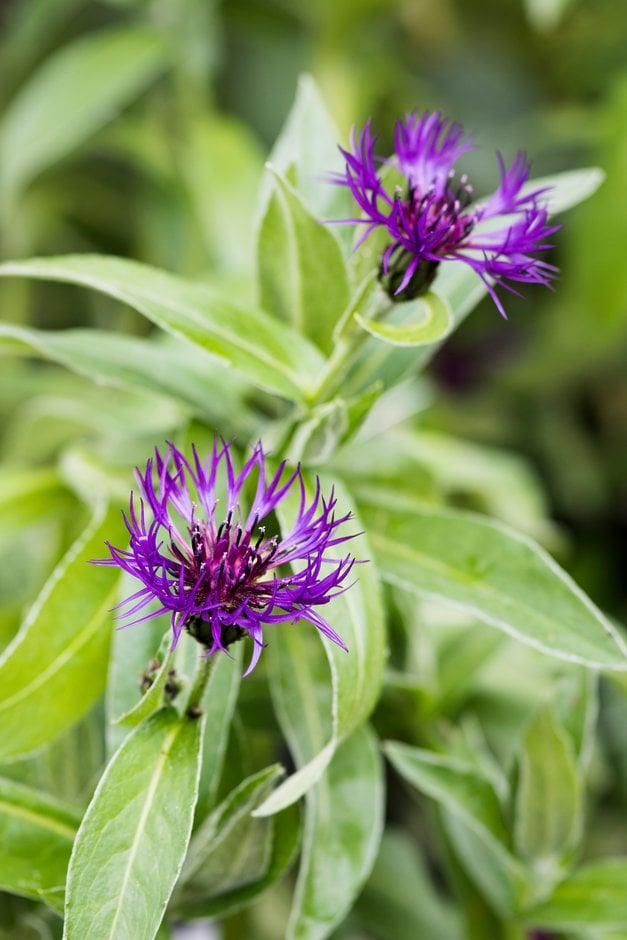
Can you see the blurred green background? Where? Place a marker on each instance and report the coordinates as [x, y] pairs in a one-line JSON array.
[[159, 151]]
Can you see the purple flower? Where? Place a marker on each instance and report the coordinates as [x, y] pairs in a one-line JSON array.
[[431, 220], [214, 568]]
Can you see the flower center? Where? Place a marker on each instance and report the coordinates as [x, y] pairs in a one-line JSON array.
[[223, 568], [430, 225]]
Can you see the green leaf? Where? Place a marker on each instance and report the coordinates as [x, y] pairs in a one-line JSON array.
[[221, 165], [500, 483], [302, 274], [171, 368], [472, 815], [308, 143], [283, 847], [497, 575], [453, 783], [567, 190], [131, 844], [548, 818], [231, 848], [341, 839], [73, 94], [434, 323], [37, 833], [218, 704], [55, 668], [314, 717], [594, 896], [273, 357]]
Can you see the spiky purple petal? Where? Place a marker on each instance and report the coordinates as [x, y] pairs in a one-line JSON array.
[[432, 220], [215, 569]]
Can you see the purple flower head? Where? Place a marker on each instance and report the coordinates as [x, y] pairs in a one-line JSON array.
[[431, 220], [215, 568]]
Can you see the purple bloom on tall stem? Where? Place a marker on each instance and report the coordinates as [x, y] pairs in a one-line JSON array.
[[431, 218], [213, 567]]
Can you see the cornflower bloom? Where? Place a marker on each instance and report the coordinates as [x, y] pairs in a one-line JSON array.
[[432, 220], [219, 575]]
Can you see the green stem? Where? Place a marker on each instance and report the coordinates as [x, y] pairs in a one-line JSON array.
[[350, 341], [201, 678]]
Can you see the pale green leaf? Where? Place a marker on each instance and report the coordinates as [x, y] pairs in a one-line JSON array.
[[566, 190], [272, 356], [548, 818], [454, 784], [302, 273], [171, 368], [472, 816], [594, 896], [221, 165], [153, 683], [308, 142], [231, 848], [36, 832], [497, 575], [132, 842], [434, 322], [218, 704], [344, 820], [73, 94], [55, 668], [315, 714]]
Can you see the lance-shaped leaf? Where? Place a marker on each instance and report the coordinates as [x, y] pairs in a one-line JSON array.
[[273, 357], [55, 668], [472, 817], [497, 575], [315, 714], [37, 833], [548, 801], [171, 368], [231, 848], [234, 856], [301, 270], [132, 842], [343, 824], [308, 143]]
